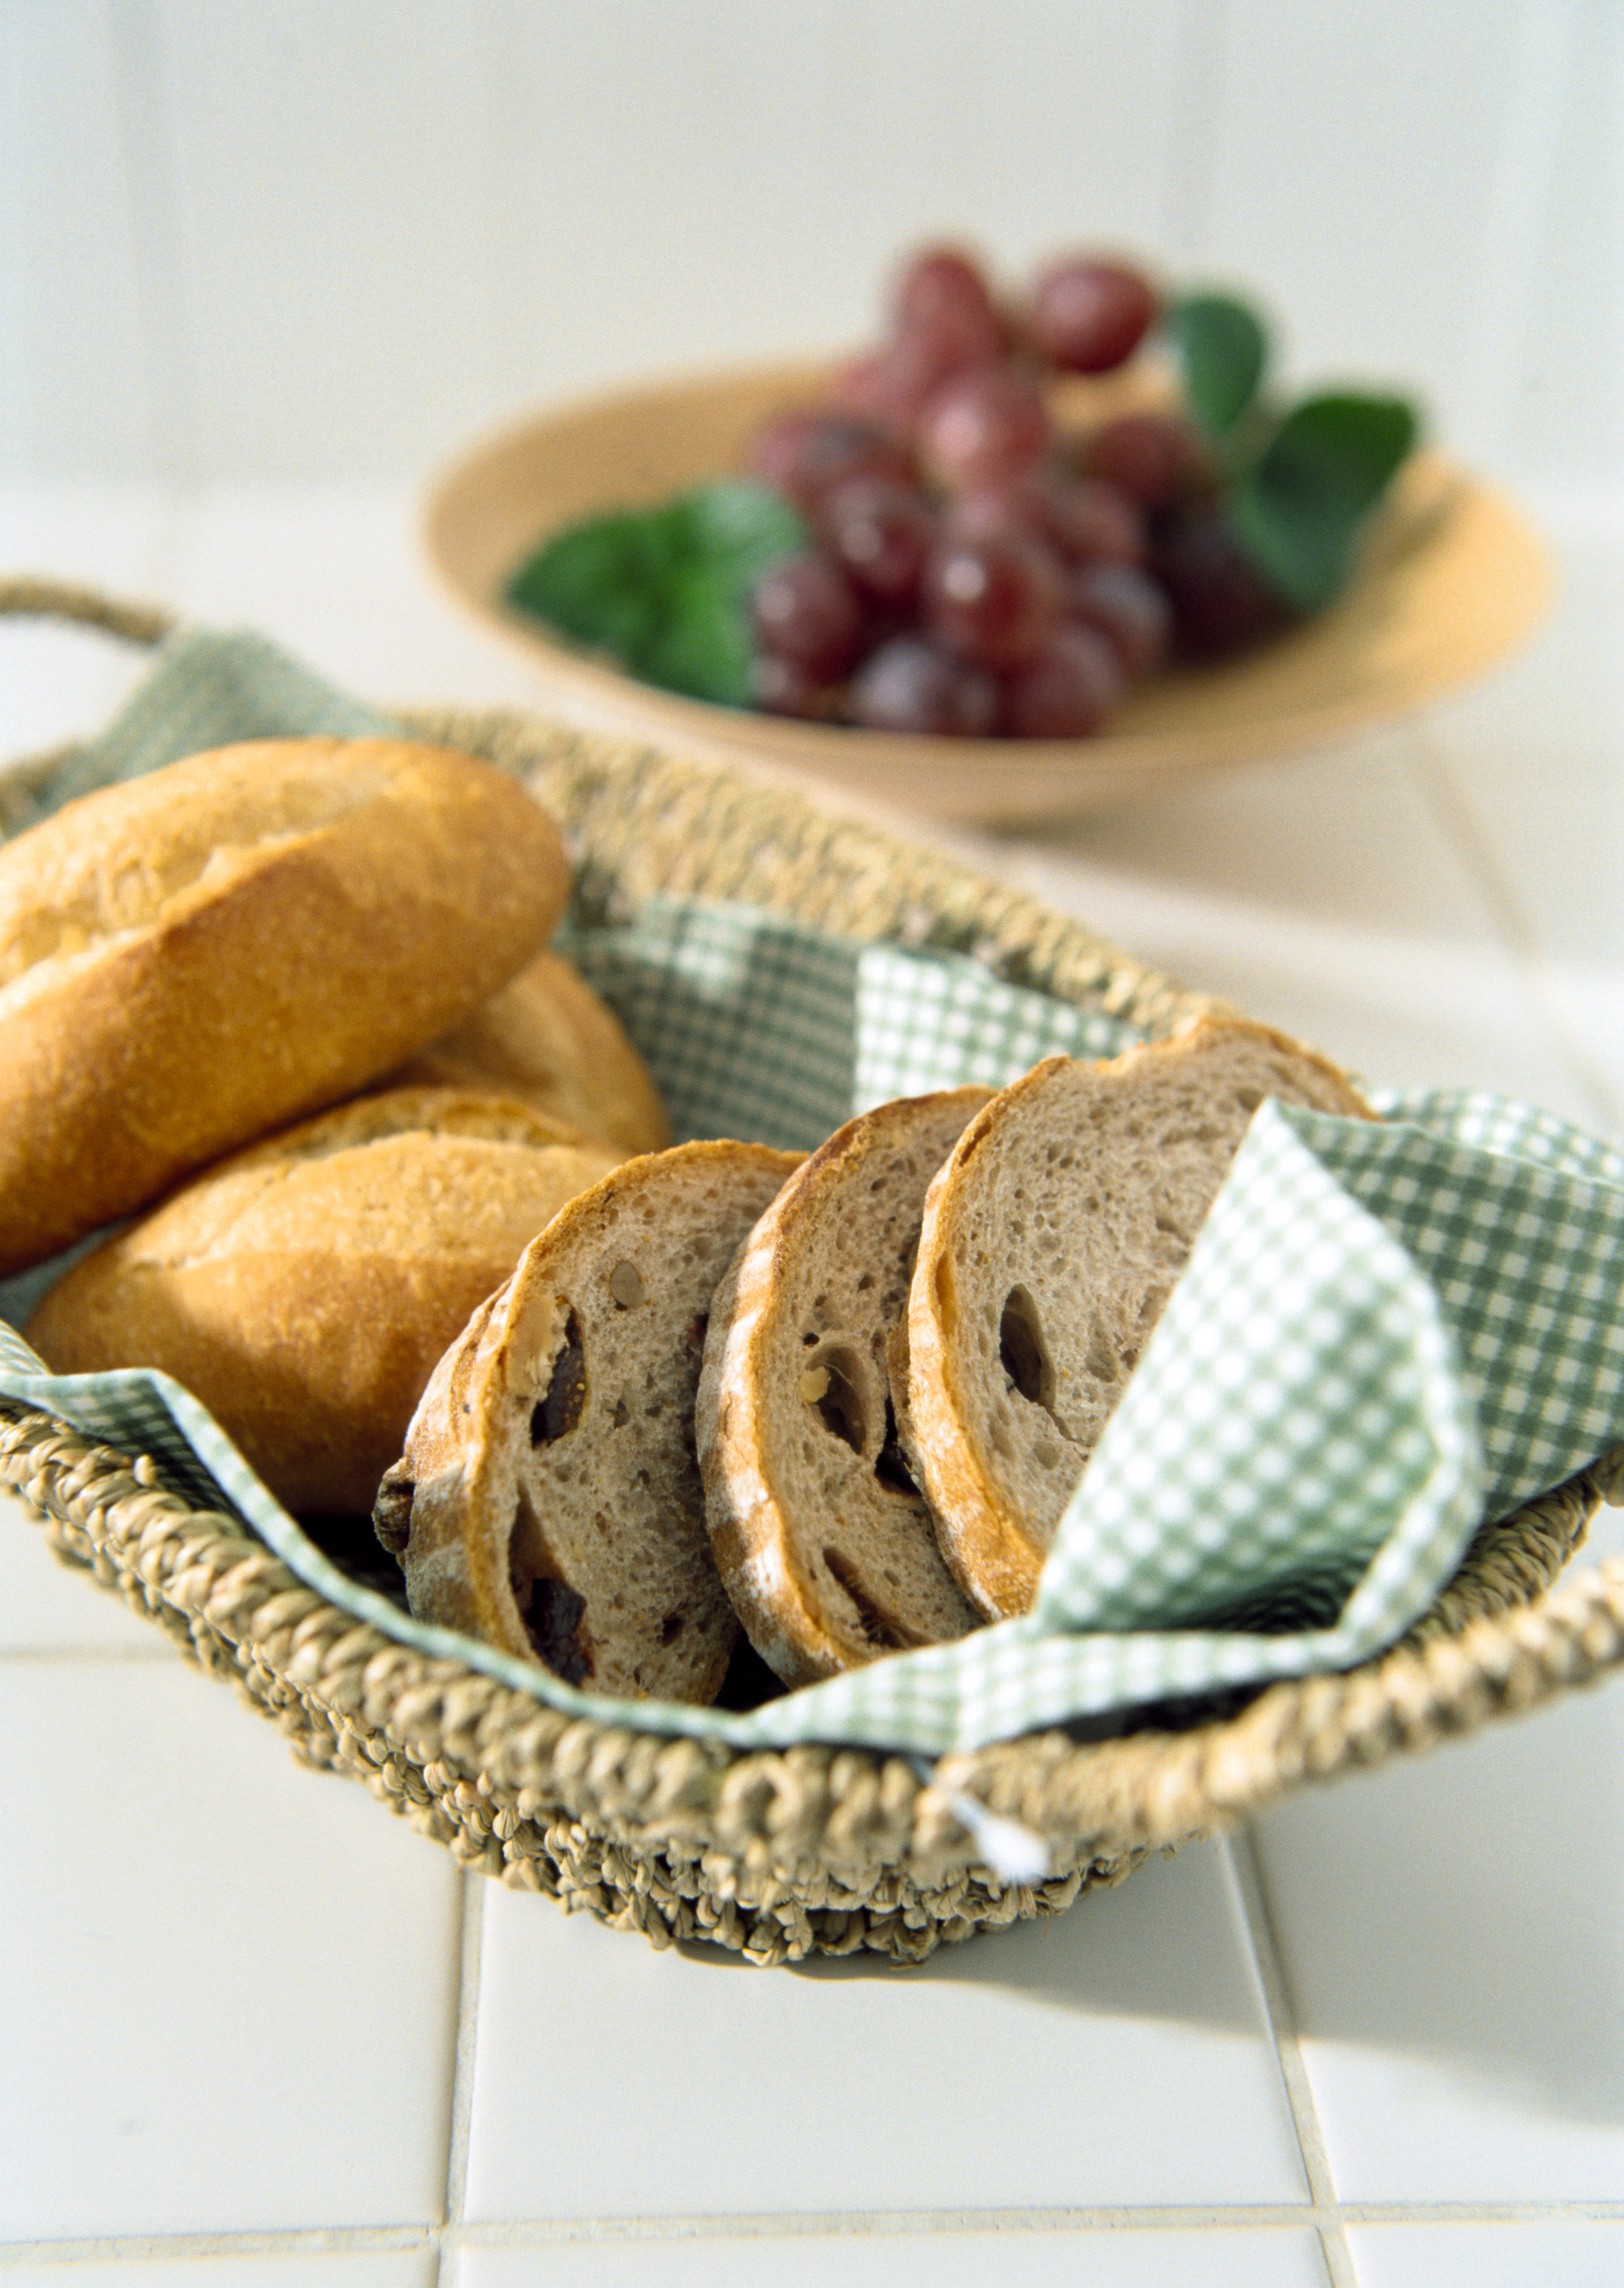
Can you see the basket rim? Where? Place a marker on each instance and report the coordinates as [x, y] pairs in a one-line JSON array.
[[1504, 1636]]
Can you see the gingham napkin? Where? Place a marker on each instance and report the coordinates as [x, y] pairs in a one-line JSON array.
[[1386, 1335]]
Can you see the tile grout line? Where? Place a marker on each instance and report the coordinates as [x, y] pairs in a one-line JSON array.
[[298, 2240], [1519, 197], [304, 2240], [149, 167], [471, 1937], [903, 2224], [1448, 2212], [1186, 190], [1328, 2219], [887, 2224]]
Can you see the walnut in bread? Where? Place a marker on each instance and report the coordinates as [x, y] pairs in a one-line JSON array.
[[549, 1498], [304, 1290], [1049, 1241], [198, 956], [825, 1544]]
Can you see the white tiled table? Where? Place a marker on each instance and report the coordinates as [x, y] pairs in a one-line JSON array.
[[255, 2032]]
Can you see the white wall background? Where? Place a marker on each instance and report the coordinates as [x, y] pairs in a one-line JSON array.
[[293, 240]]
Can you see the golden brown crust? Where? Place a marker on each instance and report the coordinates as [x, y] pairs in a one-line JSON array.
[[547, 1038], [304, 1290], [194, 958]]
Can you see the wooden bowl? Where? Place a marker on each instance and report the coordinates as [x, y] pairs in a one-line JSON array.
[[1451, 579]]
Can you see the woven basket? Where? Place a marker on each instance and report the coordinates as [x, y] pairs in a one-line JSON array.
[[781, 1854]]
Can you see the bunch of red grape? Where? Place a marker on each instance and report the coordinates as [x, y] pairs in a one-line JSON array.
[[971, 571]]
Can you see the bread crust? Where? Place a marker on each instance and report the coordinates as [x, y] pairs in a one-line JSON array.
[[200, 956], [547, 1038], [1043, 1266], [305, 1289], [549, 1499], [827, 1562]]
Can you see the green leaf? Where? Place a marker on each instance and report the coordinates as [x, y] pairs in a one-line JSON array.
[[702, 645], [666, 590], [1298, 509], [597, 581], [740, 525], [1223, 350]]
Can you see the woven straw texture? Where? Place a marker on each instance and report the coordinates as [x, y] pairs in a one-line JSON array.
[[777, 1854]]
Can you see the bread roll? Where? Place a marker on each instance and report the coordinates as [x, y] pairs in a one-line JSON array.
[[825, 1547], [548, 1039], [200, 956], [549, 1499], [1049, 1242], [304, 1290]]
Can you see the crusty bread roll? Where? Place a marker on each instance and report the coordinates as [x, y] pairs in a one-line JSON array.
[[825, 1546], [303, 1290], [547, 1038], [1049, 1242], [549, 1499], [194, 958]]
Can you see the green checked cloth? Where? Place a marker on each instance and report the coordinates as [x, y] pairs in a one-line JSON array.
[[1385, 1334]]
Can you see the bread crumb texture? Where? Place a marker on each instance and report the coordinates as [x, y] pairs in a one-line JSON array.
[[570, 1411], [825, 1542], [1051, 1239]]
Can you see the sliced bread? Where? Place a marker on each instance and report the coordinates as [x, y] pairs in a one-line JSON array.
[[824, 1541], [548, 1498], [1049, 1241]]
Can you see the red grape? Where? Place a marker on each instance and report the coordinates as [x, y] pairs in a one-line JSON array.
[[1067, 690], [1127, 607], [1152, 457], [942, 294], [944, 321], [1088, 315], [805, 459], [984, 510], [893, 385], [872, 387], [1095, 523], [1220, 601], [806, 611], [773, 452], [995, 600], [910, 684], [971, 572], [881, 533], [1082, 519], [985, 427]]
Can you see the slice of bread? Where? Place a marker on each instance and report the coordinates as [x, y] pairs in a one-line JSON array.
[[824, 1545], [548, 1498], [547, 1038], [1051, 1239], [305, 1289]]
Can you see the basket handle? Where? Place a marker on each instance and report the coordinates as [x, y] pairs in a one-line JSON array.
[[26, 596]]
